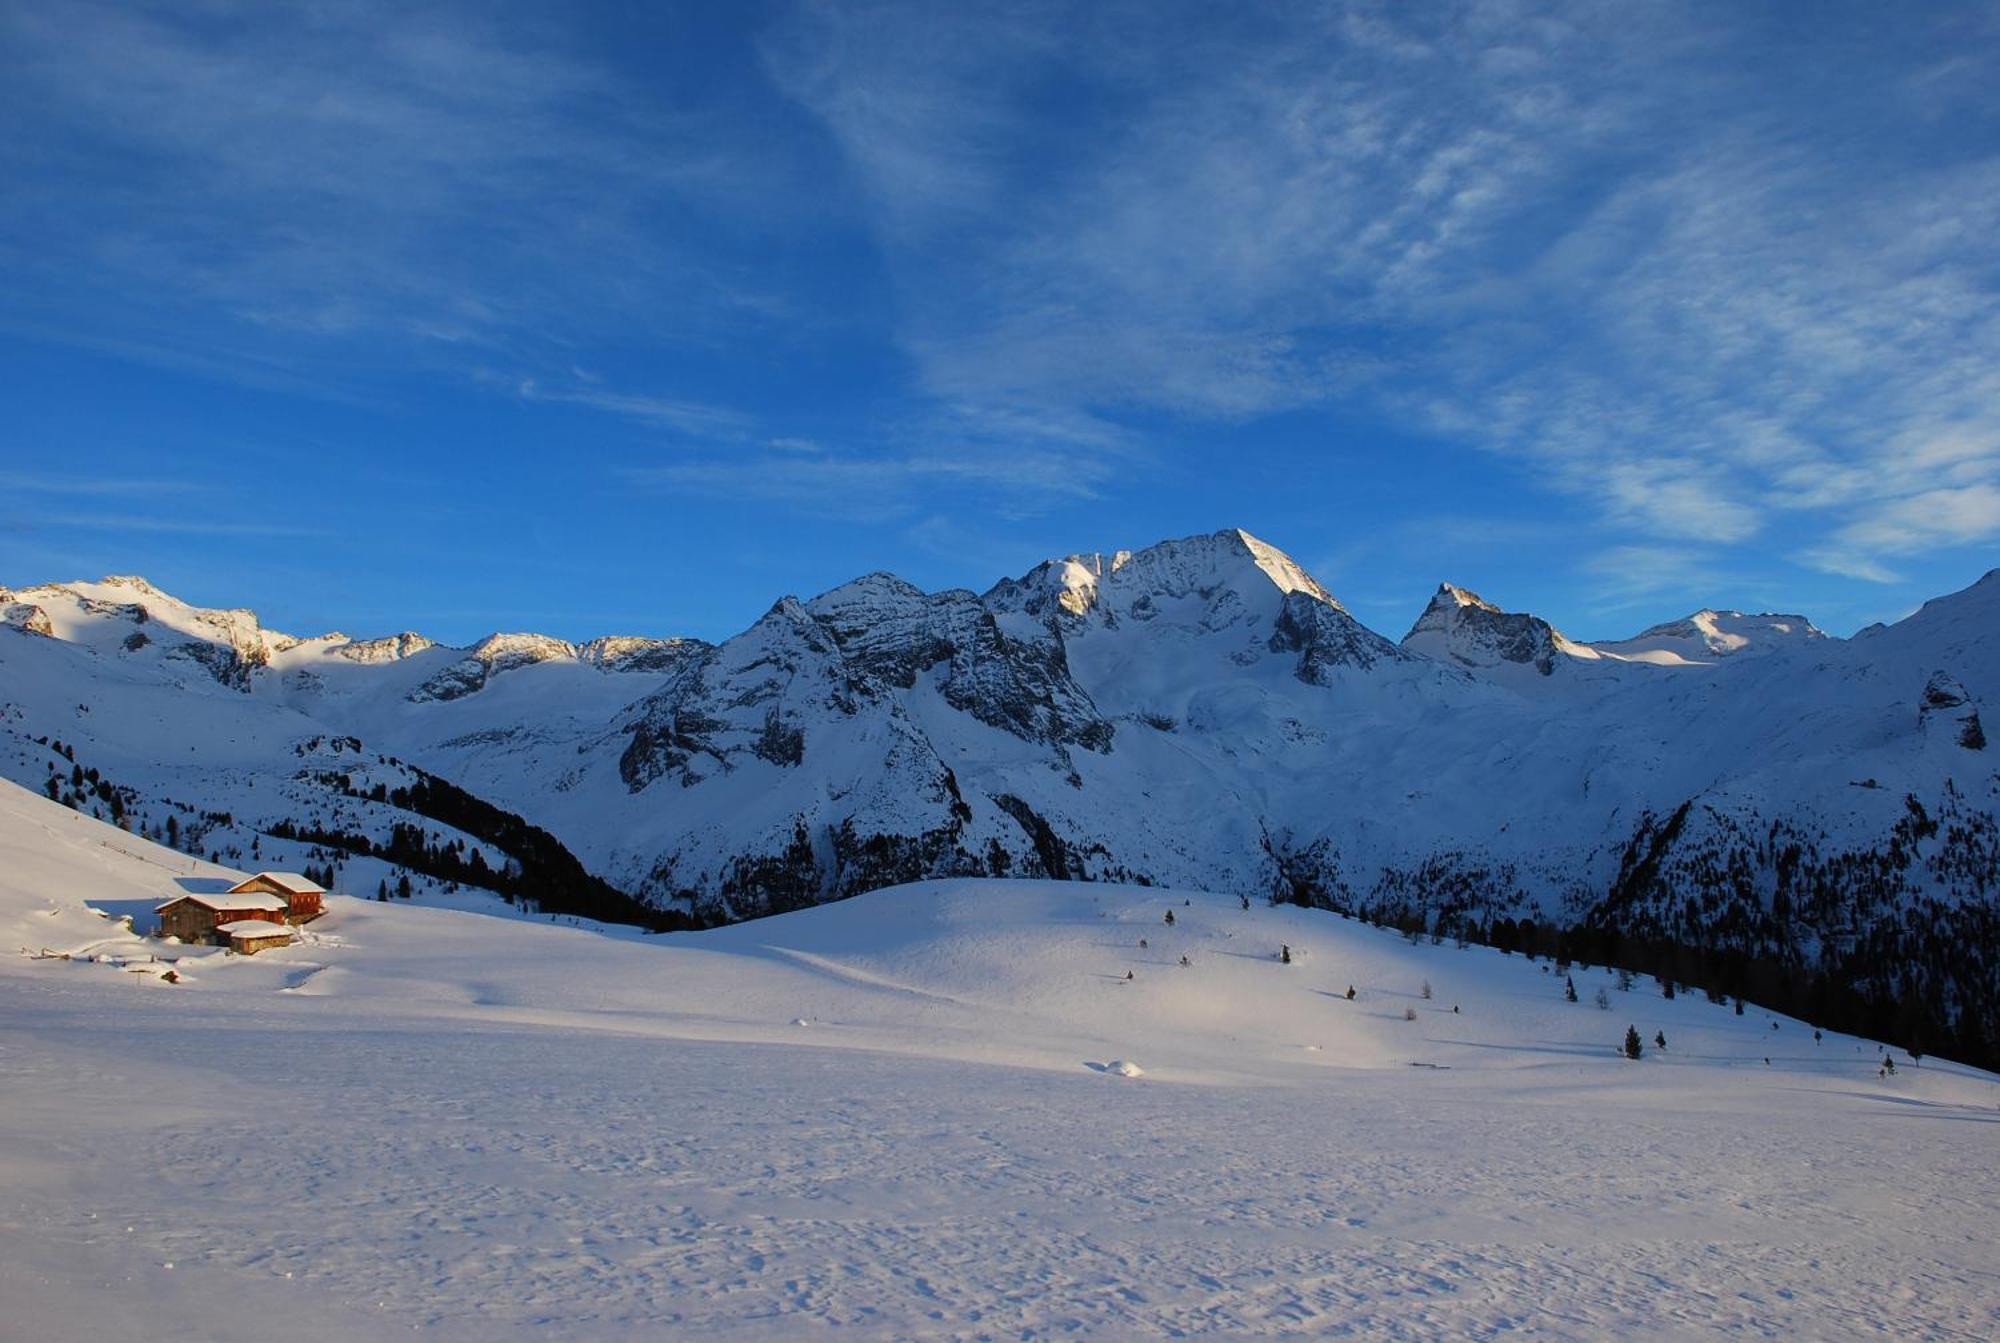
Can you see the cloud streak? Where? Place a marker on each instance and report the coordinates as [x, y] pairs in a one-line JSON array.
[[335, 186], [1720, 284], [1606, 244]]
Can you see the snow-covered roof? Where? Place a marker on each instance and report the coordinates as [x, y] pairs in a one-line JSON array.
[[230, 900], [291, 881], [252, 928]]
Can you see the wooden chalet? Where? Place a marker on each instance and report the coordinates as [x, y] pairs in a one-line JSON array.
[[199, 917], [303, 899], [247, 937]]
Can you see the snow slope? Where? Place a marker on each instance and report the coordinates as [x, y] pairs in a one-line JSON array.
[[903, 1116]]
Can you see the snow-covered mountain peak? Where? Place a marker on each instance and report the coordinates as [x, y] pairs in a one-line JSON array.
[[1463, 628], [1065, 587], [1223, 571], [1709, 635], [1453, 594], [1231, 559], [126, 616], [861, 599], [1280, 568]]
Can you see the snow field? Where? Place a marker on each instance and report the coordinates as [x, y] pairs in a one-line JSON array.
[[475, 1125]]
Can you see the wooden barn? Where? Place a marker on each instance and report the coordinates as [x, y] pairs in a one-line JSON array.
[[303, 898], [197, 918], [247, 937]]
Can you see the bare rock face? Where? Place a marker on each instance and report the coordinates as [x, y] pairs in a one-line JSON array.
[[630, 653], [1326, 638], [1946, 707], [389, 648], [26, 617]]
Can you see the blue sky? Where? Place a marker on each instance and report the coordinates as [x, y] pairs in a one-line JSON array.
[[631, 318]]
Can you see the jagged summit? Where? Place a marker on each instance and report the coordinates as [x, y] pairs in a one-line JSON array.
[[1451, 592], [1461, 627], [1122, 581], [1201, 563]]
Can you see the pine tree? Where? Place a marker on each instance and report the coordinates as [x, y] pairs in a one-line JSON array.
[[1569, 988], [382, 889], [1634, 1047], [1660, 1040], [1285, 954], [1170, 918]]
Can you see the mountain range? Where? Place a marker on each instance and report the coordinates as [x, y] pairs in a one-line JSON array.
[[1736, 799]]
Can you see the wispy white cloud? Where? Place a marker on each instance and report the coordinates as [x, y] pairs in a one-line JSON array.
[[1908, 525], [1626, 576], [90, 485], [1608, 243], [879, 488], [1849, 562], [692, 418], [1727, 284], [173, 526], [323, 187]]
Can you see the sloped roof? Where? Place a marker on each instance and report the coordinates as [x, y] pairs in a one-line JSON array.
[[253, 928], [230, 900], [291, 881]]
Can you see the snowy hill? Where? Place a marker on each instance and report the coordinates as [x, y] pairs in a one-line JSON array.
[[1771, 806], [934, 1111]]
